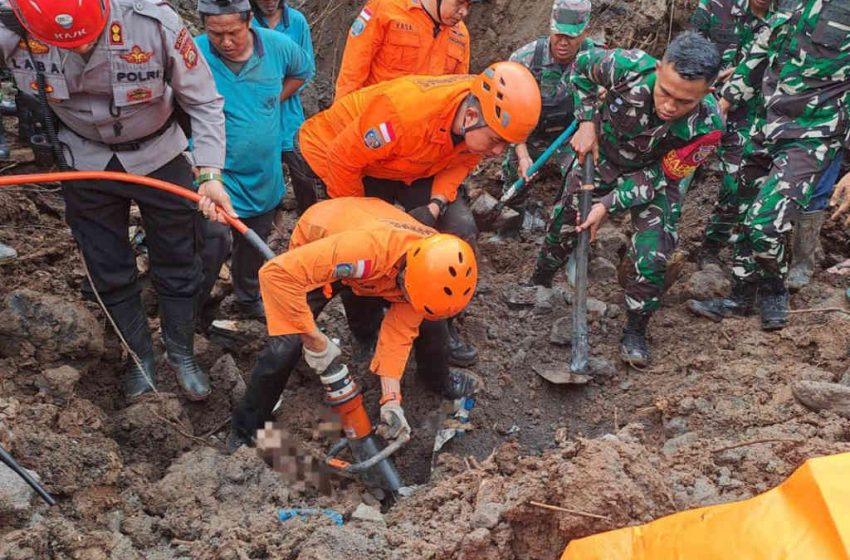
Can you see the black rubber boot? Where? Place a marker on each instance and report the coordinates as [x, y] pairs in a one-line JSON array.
[[709, 253], [178, 334], [250, 311], [461, 354], [432, 364], [633, 347], [773, 304], [740, 302], [543, 276], [804, 248], [129, 316], [455, 383]]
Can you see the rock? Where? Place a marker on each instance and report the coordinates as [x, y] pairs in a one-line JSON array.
[[610, 243], [600, 366], [676, 426], [596, 308], [819, 395], [227, 375], [543, 300], [613, 311], [368, 513], [562, 331], [708, 282], [704, 491], [15, 496], [49, 327], [59, 382], [486, 515], [674, 445], [520, 296], [600, 270], [153, 424]]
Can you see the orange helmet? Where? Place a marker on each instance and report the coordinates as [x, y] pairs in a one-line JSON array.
[[63, 23], [510, 100], [440, 276]]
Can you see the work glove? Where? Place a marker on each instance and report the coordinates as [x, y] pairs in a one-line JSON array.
[[320, 361], [424, 215], [393, 423]]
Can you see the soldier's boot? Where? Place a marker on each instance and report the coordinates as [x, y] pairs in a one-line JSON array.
[[543, 275], [804, 247], [7, 254], [773, 304], [634, 349], [740, 302], [709, 253], [130, 318], [178, 334], [454, 383], [461, 354]]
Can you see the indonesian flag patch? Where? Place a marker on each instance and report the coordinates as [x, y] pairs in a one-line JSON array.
[[378, 136], [359, 269], [678, 164], [360, 22]]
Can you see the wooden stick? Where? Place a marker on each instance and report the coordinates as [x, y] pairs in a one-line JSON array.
[[572, 511], [756, 441]]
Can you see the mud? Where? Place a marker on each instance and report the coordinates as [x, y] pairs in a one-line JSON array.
[[713, 419]]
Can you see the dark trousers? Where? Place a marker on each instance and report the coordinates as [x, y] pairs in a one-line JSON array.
[[98, 213], [221, 243], [280, 356], [307, 186]]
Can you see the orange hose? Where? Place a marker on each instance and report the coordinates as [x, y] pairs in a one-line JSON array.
[[10, 180]]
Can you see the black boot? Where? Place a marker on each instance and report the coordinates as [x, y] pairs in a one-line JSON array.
[[178, 334], [454, 383], [129, 316], [543, 276], [633, 348], [432, 363], [461, 354], [709, 253], [740, 302], [773, 304]]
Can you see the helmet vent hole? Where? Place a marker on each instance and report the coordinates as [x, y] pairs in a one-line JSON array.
[[498, 112], [452, 271], [460, 257], [468, 271], [416, 252], [500, 96], [486, 86], [502, 81], [448, 291], [428, 310], [466, 291]]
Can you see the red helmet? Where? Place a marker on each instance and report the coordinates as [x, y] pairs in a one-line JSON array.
[[63, 23]]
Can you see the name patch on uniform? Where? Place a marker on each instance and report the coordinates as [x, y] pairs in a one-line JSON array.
[[139, 94], [116, 33], [137, 55], [35, 47], [359, 269], [360, 22], [139, 76]]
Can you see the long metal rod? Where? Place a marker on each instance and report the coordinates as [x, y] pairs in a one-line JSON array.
[[580, 342], [22, 472]]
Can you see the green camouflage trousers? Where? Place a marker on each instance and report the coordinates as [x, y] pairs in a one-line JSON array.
[[724, 217], [653, 241], [776, 183], [562, 158]]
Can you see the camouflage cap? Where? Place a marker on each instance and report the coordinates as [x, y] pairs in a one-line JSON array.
[[570, 17]]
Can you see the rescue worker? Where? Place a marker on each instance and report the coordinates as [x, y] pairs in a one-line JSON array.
[[413, 140], [367, 251], [257, 71], [7, 254], [277, 15], [115, 72], [806, 55], [656, 125], [732, 25], [551, 60], [393, 38]]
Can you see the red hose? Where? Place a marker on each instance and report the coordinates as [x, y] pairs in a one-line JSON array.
[[10, 180]]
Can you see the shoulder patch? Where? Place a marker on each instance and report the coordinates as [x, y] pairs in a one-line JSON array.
[[160, 11], [378, 136], [185, 45], [116, 33], [360, 22], [359, 269]]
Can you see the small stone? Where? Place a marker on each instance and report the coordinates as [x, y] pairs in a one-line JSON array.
[[562, 331], [59, 382], [543, 300], [600, 366], [520, 296], [595, 307], [626, 385], [676, 426], [674, 445], [368, 513], [15, 494], [610, 243], [707, 283], [704, 491], [486, 515], [601, 270], [613, 311], [819, 395]]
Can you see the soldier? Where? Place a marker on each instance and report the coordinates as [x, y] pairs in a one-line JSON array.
[[656, 124], [806, 53], [550, 59], [392, 38], [732, 25], [113, 73], [279, 16]]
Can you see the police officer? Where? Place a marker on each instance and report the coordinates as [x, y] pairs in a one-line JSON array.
[[113, 73]]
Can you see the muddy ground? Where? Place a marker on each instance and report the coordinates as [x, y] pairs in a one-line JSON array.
[[714, 418]]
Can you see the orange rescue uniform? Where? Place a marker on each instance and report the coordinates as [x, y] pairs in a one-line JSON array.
[[359, 242], [393, 38], [398, 130]]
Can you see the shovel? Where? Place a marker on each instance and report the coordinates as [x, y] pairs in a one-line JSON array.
[[580, 343]]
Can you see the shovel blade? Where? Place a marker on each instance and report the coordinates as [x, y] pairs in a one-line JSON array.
[[560, 375]]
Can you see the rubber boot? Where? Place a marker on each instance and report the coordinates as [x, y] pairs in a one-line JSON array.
[[455, 383], [461, 354], [773, 304], [804, 246], [740, 302], [251, 311], [633, 347], [129, 316], [7, 254], [542, 276], [178, 334], [709, 253], [432, 364]]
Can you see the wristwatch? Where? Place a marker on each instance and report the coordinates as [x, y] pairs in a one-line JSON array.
[[206, 177], [441, 205]]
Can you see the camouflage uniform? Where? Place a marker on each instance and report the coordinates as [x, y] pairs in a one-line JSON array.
[[805, 53], [732, 27], [633, 140], [557, 93]]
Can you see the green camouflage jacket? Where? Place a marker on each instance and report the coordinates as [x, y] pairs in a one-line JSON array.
[[730, 25], [804, 54]]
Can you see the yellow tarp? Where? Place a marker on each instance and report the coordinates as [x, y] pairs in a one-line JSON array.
[[807, 517]]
